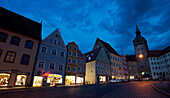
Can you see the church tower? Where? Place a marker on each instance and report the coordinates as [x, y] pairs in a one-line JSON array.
[[141, 51]]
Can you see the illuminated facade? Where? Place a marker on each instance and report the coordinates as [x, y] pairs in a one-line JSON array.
[[19, 40], [97, 67], [51, 61], [124, 67], [114, 58], [141, 51], [132, 67], [160, 63], [75, 65]]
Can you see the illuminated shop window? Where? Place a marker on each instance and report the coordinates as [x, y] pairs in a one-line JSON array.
[[54, 79], [37, 81], [79, 80], [102, 78], [21, 80], [4, 79]]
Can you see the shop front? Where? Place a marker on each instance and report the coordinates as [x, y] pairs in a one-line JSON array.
[[80, 80], [37, 82], [54, 79], [21, 80], [102, 78], [4, 79], [70, 80]]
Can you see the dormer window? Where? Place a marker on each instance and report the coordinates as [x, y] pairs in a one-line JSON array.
[[89, 58]]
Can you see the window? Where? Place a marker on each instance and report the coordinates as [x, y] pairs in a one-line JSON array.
[[10, 56], [0, 52], [75, 48], [68, 68], [56, 35], [41, 64], [69, 60], [152, 67], [91, 70], [70, 53], [25, 59], [62, 54], [82, 69], [29, 44], [74, 61], [78, 68], [52, 65], [70, 46], [3, 37], [44, 50], [75, 54], [60, 67], [74, 69], [152, 63], [55, 42], [15, 40], [59, 42], [54, 52]]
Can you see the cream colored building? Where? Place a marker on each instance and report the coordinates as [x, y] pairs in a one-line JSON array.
[[97, 67], [19, 40]]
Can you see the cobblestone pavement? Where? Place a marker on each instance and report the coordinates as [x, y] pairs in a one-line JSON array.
[[109, 90]]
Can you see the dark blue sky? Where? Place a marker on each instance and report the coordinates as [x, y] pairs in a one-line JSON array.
[[113, 21]]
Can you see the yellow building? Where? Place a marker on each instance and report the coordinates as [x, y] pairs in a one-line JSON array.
[[72, 72], [19, 40], [132, 67]]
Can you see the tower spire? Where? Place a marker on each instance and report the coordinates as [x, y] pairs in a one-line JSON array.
[[137, 30]]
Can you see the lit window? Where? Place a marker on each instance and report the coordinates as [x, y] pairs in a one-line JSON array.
[[29, 44], [44, 50], [10, 57], [54, 52], [15, 40], [52, 65], [62, 54], [41, 64], [60, 67], [3, 37], [25, 59], [74, 69]]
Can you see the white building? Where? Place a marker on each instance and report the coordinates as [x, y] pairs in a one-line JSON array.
[[160, 63]]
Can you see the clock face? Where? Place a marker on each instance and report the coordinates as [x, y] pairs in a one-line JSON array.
[[140, 49]]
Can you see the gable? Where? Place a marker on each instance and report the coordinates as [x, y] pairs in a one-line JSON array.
[[55, 38], [102, 57]]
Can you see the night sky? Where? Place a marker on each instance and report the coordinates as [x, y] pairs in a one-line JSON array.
[[113, 21]]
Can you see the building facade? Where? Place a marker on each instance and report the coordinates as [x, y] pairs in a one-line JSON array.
[[141, 51], [124, 67], [114, 58], [97, 66], [51, 61], [19, 41], [132, 67], [72, 76], [160, 63]]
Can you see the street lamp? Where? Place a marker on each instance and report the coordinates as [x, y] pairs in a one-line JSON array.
[[140, 56]]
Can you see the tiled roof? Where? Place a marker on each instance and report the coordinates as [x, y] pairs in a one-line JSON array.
[[19, 24], [91, 56], [107, 45], [156, 53], [131, 57]]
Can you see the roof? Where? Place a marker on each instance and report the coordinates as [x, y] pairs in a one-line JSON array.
[[131, 57], [19, 24], [157, 53], [92, 54], [109, 48]]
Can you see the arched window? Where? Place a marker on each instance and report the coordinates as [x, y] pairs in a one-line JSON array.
[[25, 59], [10, 56], [3, 37]]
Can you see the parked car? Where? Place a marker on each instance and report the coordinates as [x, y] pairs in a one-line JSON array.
[[122, 80], [115, 80]]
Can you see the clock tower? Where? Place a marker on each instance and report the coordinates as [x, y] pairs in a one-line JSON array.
[[141, 51]]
